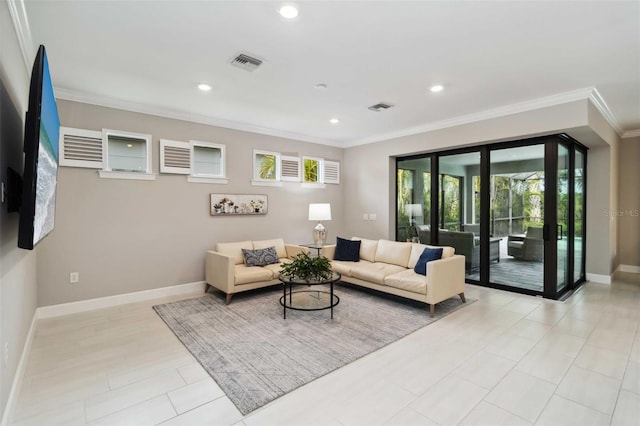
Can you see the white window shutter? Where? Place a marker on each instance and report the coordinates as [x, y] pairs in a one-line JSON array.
[[175, 157], [331, 172], [80, 148], [290, 168]]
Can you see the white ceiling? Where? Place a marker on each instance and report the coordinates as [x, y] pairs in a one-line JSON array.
[[490, 56]]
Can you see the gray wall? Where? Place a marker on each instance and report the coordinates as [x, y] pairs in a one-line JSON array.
[[124, 236], [629, 201], [18, 290]]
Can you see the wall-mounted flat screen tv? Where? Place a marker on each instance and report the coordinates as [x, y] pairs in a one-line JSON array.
[[41, 133]]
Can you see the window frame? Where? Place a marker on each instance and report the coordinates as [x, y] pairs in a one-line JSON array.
[[107, 171], [259, 181], [319, 172], [209, 145]]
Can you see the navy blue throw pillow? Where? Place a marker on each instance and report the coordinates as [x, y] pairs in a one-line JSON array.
[[427, 256], [348, 250]]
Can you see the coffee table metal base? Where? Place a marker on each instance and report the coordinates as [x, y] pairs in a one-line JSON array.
[[308, 300]]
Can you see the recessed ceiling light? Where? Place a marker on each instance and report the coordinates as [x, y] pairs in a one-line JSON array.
[[204, 87], [289, 11], [437, 88], [321, 86], [334, 121]]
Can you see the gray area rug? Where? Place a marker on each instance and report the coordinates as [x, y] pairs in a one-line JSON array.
[[256, 356]]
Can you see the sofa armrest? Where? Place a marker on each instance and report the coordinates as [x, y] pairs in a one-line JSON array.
[[219, 271], [328, 251], [293, 250], [445, 278]]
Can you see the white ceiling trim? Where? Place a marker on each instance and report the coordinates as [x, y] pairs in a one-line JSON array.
[[75, 96], [631, 134], [602, 106], [548, 101], [23, 31]]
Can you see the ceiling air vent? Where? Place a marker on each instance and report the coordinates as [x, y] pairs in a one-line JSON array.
[[246, 62], [379, 107]]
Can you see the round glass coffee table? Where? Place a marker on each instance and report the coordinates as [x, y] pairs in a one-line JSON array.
[[309, 300]]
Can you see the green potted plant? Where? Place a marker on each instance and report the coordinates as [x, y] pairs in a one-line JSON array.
[[306, 268]]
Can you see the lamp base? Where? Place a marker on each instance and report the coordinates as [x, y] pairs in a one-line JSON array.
[[319, 235]]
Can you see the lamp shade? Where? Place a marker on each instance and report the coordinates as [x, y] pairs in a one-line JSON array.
[[414, 210], [319, 211]]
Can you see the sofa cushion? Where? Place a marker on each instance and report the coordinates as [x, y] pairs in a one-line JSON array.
[[344, 267], [367, 249], [408, 280], [347, 250], [234, 250], [251, 274], [393, 252], [417, 249], [374, 272], [260, 257], [275, 268], [278, 243], [428, 255]]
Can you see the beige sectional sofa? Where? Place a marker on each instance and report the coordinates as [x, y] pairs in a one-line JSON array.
[[387, 266], [225, 268]]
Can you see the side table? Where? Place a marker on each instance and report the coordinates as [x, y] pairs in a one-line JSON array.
[[313, 247]]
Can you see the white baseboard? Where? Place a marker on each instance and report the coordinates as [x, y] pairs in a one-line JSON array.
[[119, 299], [597, 278], [18, 379], [629, 268]]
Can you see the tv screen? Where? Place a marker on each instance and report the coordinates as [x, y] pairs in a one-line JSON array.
[[42, 126]]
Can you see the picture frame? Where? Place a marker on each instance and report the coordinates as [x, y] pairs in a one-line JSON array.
[[238, 204]]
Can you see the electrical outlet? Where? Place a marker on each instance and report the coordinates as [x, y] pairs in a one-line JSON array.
[[74, 277], [5, 359]]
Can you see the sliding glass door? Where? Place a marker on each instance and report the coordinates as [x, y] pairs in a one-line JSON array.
[[413, 200], [515, 210], [578, 216], [562, 219], [517, 189], [457, 225]]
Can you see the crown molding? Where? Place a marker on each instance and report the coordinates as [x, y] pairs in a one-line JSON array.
[[71, 95], [598, 101], [547, 101], [631, 134], [20, 21]]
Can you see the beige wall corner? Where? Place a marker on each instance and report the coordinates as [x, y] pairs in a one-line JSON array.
[[629, 204]]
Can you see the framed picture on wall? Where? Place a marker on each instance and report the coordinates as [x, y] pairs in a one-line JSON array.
[[238, 204]]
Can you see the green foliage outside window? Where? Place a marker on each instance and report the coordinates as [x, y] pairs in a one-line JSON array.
[[426, 201], [310, 170], [266, 166], [450, 202]]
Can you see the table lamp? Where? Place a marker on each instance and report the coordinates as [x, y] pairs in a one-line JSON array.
[[318, 212]]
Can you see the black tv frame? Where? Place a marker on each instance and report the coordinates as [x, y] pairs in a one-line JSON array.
[[31, 149]]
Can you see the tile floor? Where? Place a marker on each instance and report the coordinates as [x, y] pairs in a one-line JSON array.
[[504, 360]]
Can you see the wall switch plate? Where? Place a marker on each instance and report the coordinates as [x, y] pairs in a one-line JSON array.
[[74, 277], [365, 216], [372, 216]]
